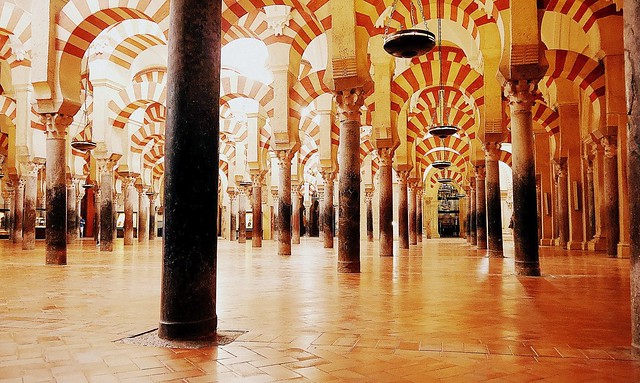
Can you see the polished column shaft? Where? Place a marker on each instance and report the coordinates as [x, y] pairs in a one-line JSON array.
[[413, 238], [152, 216], [18, 215], [128, 188], [30, 203], [284, 202], [369, 204], [188, 295], [256, 234], [386, 201], [563, 202], [472, 210], [328, 211], [612, 214], [481, 208], [494, 208], [72, 214], [295, 217], [143, 214], [242, 215], [403, 210]]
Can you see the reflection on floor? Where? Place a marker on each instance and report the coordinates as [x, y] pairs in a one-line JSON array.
[[440, 311]]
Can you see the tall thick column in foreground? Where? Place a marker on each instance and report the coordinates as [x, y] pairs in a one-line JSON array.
[[56, 221], [631, 30], [610, 195], [386, 201], [284, 202], [481, 208], [30, 203], [525, 222], [188, 296], [349, 102], [107, 221]]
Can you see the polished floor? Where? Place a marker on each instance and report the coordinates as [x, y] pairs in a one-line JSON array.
[[438, 312]]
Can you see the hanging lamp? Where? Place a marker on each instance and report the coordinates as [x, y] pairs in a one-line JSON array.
[[441, 163], [87, 144], [441, 128], [408, 43]]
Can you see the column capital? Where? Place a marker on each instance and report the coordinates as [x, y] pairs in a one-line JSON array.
[[328, 176], [284, 156], [56, 125], [481, 172], [106, 165], [610, 145], [128, 178], [560, 166], [368, 196], [491, 150], [520, 94], [403, 176], [31, 168], [386, 156], [257, 179], [349, 102]]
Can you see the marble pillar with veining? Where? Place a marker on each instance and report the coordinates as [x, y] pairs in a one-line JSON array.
[[610, 195], [328, 177], [481, 208], [256, 208], [494, 208], [385, 188], [403, 210], [284, 202]]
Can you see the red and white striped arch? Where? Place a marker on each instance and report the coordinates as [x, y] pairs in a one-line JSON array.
[[586, 13], [8, 107], [133, 97], [305, 91], [155, 112], [14, 21], [132, 37], [447, 173], [244, 87], [146, 133], [157, 74]]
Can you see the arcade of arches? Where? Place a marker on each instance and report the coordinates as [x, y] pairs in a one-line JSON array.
[[311, 129]]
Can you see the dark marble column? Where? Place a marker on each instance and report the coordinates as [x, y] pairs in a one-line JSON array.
[[369, 198], [18, 215], [472, 213], [413, 238], [80, 192], [11, 204], [143, 214], [152, 216], [349, 102], [97, 195], [129, 191], [632, 58], [386, 201], [419, 217], [327, 214], [563, 202], [30, 203], [468, 223], [107, 222], [56, 221], [494, 208], [274, 214], [403, 210], [610, 195], [284, 202], [295, 217], [72, 215], [521, 95], [591, 202], [428, 206], [256, 235], [481, 208], [188, 296], [242, 213]]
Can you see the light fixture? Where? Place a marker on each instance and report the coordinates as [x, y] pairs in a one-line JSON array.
[[86, 144], [88, 186], [441, 164], [408, 43], [445, 180], [441, 127]]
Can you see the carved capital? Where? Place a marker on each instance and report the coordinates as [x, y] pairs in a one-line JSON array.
[[560, 166], [368, 196], [386, 156], [349, 102], [491, 150], [56, 125], [521, 95], [480, 172], [403, 176], [328, 176], [257, 179], [284, 157], [610, 145], [106, 165]]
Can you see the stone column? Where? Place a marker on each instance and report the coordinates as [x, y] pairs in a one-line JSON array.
[[30, 203], [494, 208], [368, 195], [563, 202], [11, 198], [256, 236], [632, 57], [284, 202], [413, 238], [429, 216], [610, 195], [143, 214], [386, 201], [80, 192], [419, 218], [472, 213], [349, 102], [481, 208], [327, 228], [403, 210], [107, 219], [128, 189], [469, 205], [152, 216], [233, 195], [591, 202], [295, 217], [521, 95], [18, 214], [97, 201], [188, 296], [56, 226], [242, 214], [274, 213], [72, 214]]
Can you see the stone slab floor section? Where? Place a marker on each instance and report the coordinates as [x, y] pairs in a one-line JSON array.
[[439, 312]]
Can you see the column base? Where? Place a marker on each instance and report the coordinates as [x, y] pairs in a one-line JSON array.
[[527, 269], [546, 242], [574, 245], [624, 251], [56, 257], [200, 330], [348, 267], [597, 244], [495, 253]]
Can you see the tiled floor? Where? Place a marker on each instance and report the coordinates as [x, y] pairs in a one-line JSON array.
[[439, 312]]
